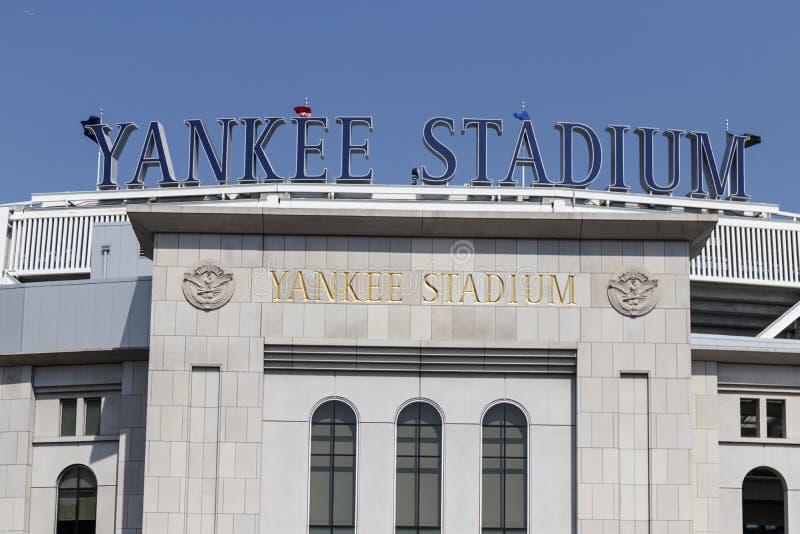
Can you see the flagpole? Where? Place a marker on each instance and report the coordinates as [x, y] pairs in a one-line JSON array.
[[98, 150], [523, 166]]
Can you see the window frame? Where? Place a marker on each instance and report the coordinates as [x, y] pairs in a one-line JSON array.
[[417, 528], [757, 401], [79, 468], [784, 419], [331, 528], [527, 471], [61, 402], [99, 415]]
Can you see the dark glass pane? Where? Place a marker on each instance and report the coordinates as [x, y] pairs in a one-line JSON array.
[[409, 415], [514, 416], [87, 506], [324, 414], [86, 527], [515, 494], [748, 410], [775, 418], [492, 493], [406, 492], [429, 492], [492, 441], [69, 412], [69, 479], [407, 440], [495, 416], [344, 440], [429, 440], [321, 439], [428, 415], [515, 442], [343, 413], [344, 490], [86, 478], [67, 503], [92, 426], [320, 490]]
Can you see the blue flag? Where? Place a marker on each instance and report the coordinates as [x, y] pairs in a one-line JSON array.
[[91, 121], [522, 115]]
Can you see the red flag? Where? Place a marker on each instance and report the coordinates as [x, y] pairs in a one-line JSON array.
[[303, 111]]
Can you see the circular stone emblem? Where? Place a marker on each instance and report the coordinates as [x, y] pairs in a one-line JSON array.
[[633, 292], [208, 285]]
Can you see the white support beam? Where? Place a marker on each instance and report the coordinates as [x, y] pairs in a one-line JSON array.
[[781, 323]]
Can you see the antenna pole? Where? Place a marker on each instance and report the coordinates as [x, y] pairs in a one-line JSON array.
[[98, 149]]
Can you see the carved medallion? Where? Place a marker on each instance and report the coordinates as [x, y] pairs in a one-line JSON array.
[[633, 292], [208, 285]]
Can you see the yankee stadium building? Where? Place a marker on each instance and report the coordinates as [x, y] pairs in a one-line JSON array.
[[320, 355]]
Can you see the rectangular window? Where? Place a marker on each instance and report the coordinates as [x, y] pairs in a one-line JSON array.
[[776, 417], [92, 422], [748, 417], [69, 412]]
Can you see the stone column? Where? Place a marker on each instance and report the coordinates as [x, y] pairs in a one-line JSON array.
[[206, 368], [643, 363], [16, 454], [130, 469], [705, 449]]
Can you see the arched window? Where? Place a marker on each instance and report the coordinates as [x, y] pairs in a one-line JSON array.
[[505, 469], [763, 502], [333, 469], [77, 501], [419, 470]]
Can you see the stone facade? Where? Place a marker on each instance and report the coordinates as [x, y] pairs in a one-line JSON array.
[[613, 467], [211, 433]]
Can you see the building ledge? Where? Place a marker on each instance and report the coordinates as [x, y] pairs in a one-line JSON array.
[[415, 219], [743, 349]]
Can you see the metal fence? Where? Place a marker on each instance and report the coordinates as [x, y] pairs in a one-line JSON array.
[[54, 243], [740, 250], [758, 252]]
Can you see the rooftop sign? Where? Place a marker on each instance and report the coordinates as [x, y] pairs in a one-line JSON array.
[[711, 176]]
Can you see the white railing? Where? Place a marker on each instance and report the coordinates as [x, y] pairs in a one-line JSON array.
[[746, 251], [52, 243], [51, 236]]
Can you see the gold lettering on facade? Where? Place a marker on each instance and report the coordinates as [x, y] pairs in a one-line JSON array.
[[513, 289], [469, 287], [500, 294], [394, 285], [373, 283], [437, 288], [450, 277], [322, 283], [427, 281], [299, 285], [556, 290], [276, 290], [527, 285], [348, 286]]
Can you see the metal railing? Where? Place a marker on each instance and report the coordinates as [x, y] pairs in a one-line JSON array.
[[745, 251], [54, 243], [52, 235]]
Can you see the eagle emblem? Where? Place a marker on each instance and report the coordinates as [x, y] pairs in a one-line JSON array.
[[633, 292], [208, 285]]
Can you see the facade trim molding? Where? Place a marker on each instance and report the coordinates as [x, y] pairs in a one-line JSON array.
[[305, 358]]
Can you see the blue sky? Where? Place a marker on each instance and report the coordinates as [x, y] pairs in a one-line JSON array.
[[680, 64]]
